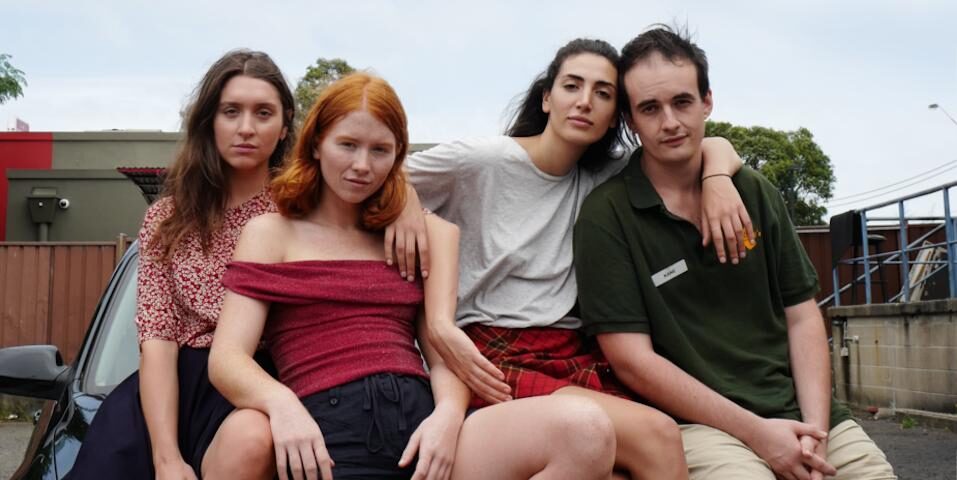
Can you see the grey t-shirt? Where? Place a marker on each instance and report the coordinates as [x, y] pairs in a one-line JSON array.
[[516, 223]]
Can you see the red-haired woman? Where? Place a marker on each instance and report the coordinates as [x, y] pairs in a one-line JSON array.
[[352, 397]]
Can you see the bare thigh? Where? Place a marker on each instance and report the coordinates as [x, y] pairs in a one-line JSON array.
[[244, 434], [520, 439], [649, 441]]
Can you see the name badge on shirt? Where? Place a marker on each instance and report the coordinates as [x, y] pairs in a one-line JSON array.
[[669, 273]]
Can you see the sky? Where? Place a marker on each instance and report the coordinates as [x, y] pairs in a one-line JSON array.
[[859, 74]]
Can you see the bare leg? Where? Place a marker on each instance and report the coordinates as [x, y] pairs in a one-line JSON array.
[[555, 437], [241, 449], [649, 442]]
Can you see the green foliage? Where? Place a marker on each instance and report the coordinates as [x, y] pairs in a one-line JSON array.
[[318, 77], [18, 409], [908, 422], [792, 161], [12, 80]]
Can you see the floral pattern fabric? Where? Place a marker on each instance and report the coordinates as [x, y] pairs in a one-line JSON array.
[[179, 299]]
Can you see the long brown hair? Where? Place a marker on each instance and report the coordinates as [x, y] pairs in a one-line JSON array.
[[296, 189], [197, 181]]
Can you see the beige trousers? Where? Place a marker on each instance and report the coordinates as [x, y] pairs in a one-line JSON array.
[[713, 454]]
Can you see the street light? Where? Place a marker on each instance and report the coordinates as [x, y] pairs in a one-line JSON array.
[[934, 106]]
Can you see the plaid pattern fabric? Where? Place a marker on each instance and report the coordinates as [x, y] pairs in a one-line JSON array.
[[540, 360]]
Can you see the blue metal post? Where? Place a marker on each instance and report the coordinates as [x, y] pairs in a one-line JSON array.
[[837, 286], [905, 257], [949, 226], [865, 247]]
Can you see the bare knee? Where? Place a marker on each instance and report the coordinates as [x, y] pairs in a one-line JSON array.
[[664, 430], [246, 434], [587, 431]]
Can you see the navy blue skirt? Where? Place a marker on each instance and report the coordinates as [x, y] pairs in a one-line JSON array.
[[117, 444]]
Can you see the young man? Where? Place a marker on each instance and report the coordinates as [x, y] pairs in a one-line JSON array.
[[738, 353]]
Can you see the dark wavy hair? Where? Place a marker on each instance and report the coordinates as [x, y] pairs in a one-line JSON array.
[[197, 180], [672, 43], [529, 119]]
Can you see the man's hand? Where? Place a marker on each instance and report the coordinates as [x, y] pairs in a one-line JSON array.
[[810, 447], [465, 360], [777, 441]]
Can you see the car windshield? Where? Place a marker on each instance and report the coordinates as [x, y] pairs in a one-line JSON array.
[[115, 350]]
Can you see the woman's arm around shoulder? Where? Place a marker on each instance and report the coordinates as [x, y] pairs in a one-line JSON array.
[[724, 218]]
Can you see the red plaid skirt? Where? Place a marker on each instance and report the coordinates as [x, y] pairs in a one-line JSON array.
[[540, 360]]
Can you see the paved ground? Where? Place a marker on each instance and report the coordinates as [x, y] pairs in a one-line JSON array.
[[917, 453], [13, 441]]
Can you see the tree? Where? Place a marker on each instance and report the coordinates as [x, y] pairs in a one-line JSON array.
[[318, 77], [792, 161], [11, 80]]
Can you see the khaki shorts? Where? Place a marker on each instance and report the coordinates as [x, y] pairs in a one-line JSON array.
[[713, 454]]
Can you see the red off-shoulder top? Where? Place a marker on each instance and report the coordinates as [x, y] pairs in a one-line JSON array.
[[333, 321]]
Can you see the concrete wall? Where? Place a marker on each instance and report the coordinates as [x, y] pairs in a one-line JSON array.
[[103, 204], [108, 150], [897, 355]]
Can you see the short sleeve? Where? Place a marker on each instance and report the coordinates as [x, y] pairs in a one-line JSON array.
[[155, 309], [609, 289], [797, 278], [435, 173]]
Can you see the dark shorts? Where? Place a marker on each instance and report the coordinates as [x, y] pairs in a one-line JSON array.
[[117, 444], [538, 361], [366, 424]]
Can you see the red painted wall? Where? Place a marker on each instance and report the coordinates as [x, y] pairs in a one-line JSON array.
[[32, 151]]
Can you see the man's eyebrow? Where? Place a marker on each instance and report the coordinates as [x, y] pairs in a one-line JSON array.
[[646, 103], [683, 96]]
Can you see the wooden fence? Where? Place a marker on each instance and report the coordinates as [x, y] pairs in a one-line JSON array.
[[49, 290]]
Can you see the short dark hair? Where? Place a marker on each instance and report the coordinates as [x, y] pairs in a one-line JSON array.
[[529, 119], [672, 43]]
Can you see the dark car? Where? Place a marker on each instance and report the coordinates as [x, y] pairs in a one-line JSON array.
[[73, 393]]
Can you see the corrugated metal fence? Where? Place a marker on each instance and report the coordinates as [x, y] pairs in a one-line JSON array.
[[48, 291]]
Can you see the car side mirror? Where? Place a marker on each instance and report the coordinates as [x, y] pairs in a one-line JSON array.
[[35, 371]]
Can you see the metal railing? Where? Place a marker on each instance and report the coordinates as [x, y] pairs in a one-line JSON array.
[[873, 262]]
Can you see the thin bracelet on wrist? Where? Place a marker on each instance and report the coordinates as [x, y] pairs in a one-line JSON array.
[[715, 175]]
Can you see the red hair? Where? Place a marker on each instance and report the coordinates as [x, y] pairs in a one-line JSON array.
[[297, 187]]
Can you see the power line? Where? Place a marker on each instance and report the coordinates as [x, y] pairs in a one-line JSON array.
[[847, 197], [852, 202]]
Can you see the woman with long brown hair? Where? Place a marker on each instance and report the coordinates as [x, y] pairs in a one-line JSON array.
[[166, 421]]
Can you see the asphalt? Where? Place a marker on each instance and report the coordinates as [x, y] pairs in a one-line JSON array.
[[917, 452]]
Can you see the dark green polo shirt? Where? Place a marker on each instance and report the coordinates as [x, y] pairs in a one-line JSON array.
[[642, 269]]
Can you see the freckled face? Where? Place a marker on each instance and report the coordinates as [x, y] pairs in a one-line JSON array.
[[355, 157], [248, 123]]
